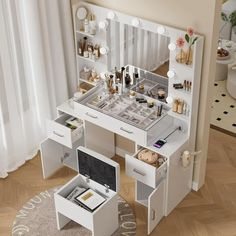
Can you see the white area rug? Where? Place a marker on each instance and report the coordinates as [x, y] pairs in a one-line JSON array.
[[38, 218]]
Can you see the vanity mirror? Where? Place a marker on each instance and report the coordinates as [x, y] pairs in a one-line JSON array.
[[133, 45]]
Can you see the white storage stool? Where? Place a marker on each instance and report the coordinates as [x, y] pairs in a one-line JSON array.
[[231, 81], [102, 175]]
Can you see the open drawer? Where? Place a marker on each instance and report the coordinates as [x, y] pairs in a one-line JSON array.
[[154, 200], [58, 131], [144, 172]]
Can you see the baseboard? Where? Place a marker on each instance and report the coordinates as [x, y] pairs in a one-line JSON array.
[[195, 186], [121, 152]]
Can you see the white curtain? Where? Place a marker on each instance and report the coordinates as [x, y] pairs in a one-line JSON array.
[[37, 72], [137, 47]]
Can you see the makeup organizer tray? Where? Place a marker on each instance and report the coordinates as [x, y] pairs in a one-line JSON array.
[[126, 109], [151, 89]]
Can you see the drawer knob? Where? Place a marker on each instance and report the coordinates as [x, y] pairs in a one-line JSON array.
[[91, 115], [57, 134], [139, 172], [127, 131]]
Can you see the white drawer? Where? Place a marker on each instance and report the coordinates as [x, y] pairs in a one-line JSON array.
[[143, 172], [62, 134], [106, 214], [112, 124]]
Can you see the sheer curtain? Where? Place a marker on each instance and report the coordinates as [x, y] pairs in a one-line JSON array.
[[37, 72]]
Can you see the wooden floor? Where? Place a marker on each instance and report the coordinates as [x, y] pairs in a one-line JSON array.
[[210, 211]]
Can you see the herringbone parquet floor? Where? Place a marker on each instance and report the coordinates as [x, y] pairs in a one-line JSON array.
[[208, 212]]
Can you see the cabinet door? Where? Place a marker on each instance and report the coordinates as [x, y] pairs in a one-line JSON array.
[[51, 157], [155, 207]]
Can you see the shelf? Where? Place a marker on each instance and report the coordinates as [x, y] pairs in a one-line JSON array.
[[86, 58], [182, 91], [86, 34], [89, 82], [178, 116]]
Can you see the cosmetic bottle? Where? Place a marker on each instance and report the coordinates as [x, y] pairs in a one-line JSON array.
[[85, 47], [96, 51], [86, 26], [80, 47], [90, 50], [92, 25], [180, 106], [135, 78], [175, 105]]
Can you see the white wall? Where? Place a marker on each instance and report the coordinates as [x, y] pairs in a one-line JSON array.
[[204, 17]]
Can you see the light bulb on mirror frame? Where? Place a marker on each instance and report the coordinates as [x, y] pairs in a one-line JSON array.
[[104, 50], [172, 46], [161, 29], [169, 100], [171, 74], [103, 24], [111, 15], [135, 22]]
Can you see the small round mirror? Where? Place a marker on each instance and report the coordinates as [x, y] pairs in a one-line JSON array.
[[81, 13]]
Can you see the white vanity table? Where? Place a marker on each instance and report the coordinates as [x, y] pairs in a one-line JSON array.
[[159, 189]]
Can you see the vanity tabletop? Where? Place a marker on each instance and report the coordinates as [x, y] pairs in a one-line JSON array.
[[139, 110]]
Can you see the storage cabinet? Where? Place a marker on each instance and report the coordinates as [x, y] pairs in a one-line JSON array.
[[154, 200], [54, 156]]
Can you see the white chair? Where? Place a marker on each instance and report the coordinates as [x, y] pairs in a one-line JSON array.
[[231, 81]]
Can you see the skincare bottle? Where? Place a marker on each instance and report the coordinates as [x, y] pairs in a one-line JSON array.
[[92, 24], [80, 47], [86, 26], [175, 105], [96, 51], [90, 50], [180, 106], [85, 47]]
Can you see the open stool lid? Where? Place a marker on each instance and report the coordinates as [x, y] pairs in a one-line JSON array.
[[98, 168]]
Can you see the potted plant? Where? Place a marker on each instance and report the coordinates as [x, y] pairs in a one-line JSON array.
[[190, 39]]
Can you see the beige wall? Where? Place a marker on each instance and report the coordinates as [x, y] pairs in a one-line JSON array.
[[204, 17]]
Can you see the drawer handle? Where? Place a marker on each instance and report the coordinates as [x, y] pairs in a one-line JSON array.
[[60, 135], [93, 116], [153, 214], [127, 131], [139, 172]]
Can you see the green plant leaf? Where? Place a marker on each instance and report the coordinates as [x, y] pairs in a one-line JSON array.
[[224, 17], [232, 18], [195, 39], [187, 37]]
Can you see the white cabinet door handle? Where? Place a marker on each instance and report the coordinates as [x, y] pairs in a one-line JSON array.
[[127, 131], [60, 135], [153, 214], [91, 115], [139, 172]]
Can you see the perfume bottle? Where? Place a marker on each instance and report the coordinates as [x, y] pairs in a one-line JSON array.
[[92, 25], [86, 26], [85, 47], [80, 47]]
